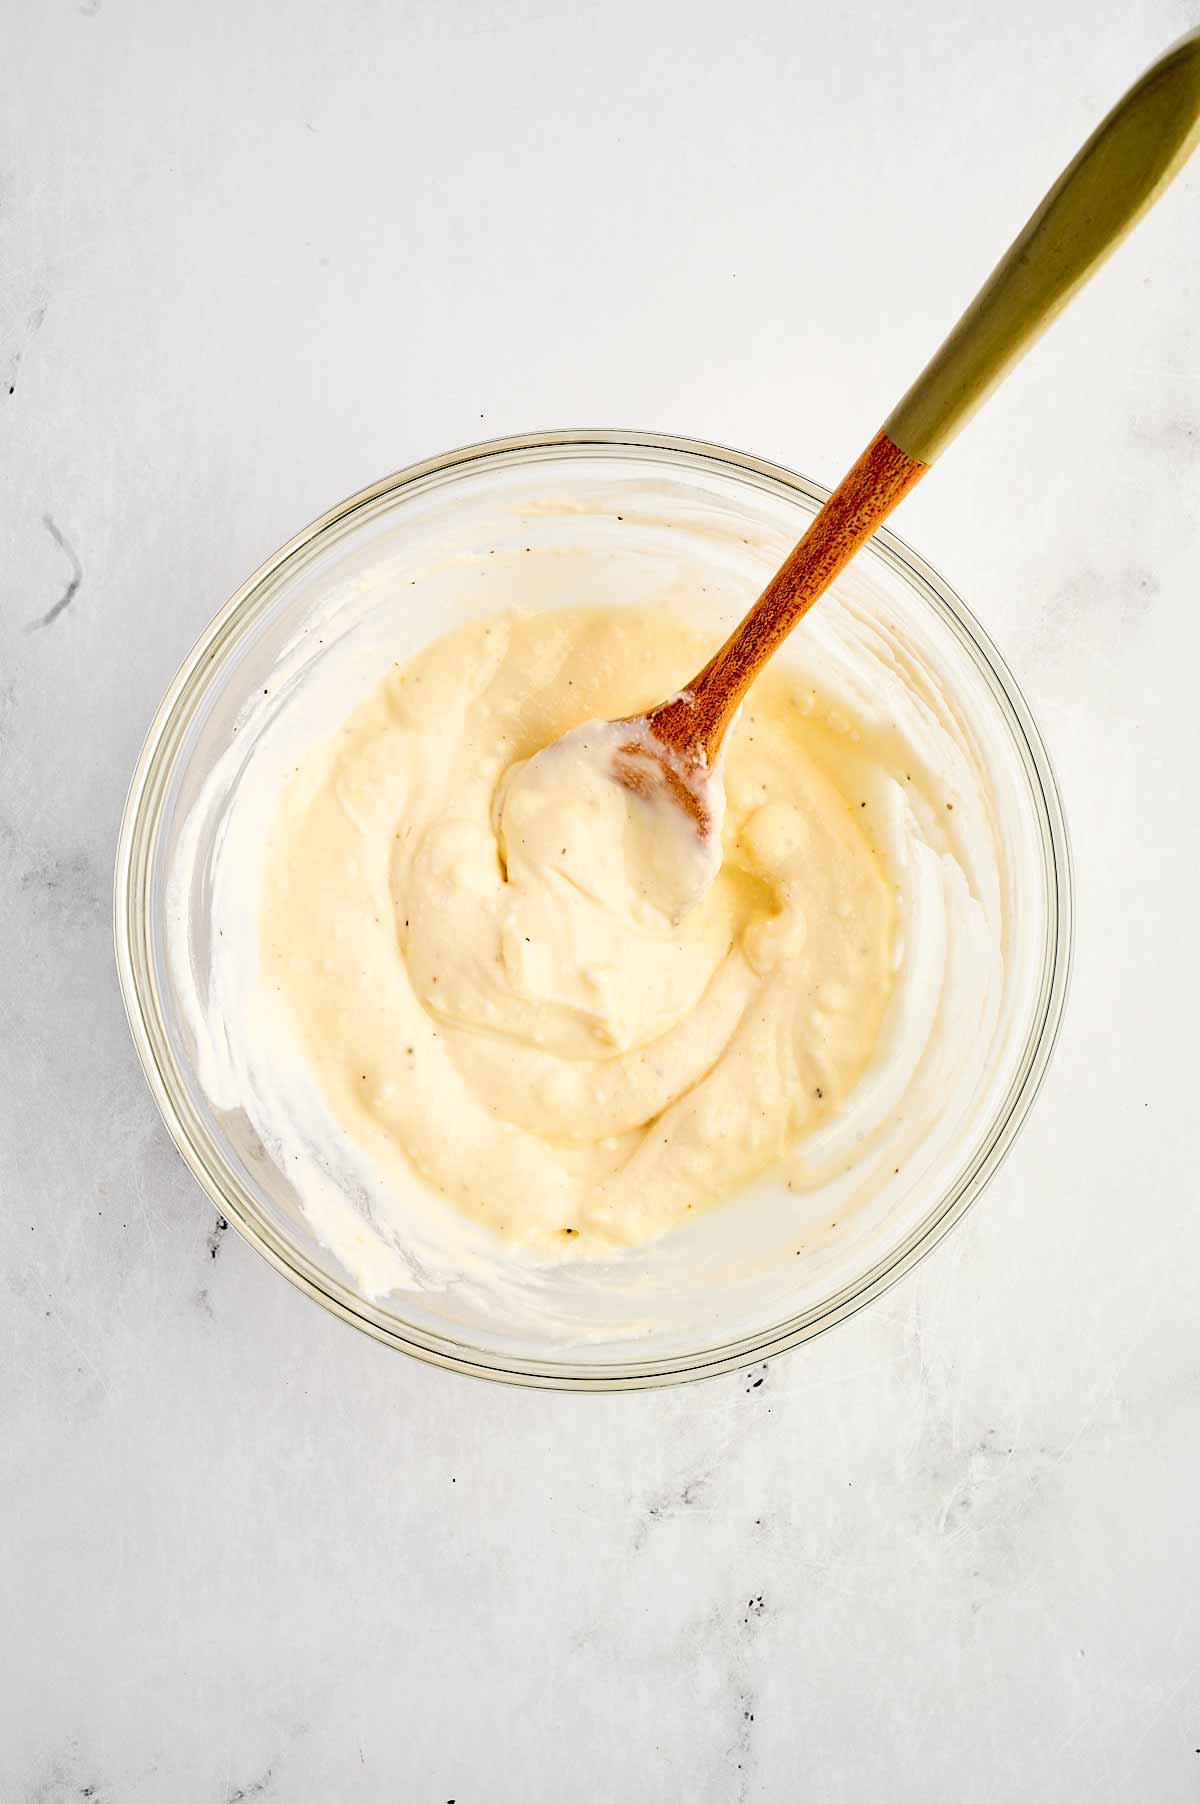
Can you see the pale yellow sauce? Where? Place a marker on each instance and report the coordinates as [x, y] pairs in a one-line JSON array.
[[480, 989]]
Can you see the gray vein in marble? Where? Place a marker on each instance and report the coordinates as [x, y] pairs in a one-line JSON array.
[[674, 1500], [256, 1789], [743, 1691], [72, 589], [1176, 435], [34, 326]]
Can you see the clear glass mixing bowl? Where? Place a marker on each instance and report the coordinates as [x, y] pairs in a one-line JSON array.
[[631, 496]]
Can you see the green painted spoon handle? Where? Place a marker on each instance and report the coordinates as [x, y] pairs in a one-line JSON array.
[[1121, 170]]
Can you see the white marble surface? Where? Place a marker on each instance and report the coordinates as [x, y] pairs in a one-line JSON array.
[[255, 256]]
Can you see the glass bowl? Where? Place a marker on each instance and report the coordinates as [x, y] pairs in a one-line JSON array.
[[634, 499]]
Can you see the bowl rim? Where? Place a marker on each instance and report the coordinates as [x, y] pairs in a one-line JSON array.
[[138, 832]]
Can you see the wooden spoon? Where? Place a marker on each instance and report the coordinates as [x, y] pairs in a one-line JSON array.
[[1123, 167]]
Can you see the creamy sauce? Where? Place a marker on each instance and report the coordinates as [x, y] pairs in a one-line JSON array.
[[472, 953], [385, 760], [612, 811]]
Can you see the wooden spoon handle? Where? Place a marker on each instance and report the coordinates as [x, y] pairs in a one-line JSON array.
[[1125, 164], [862, 500]]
